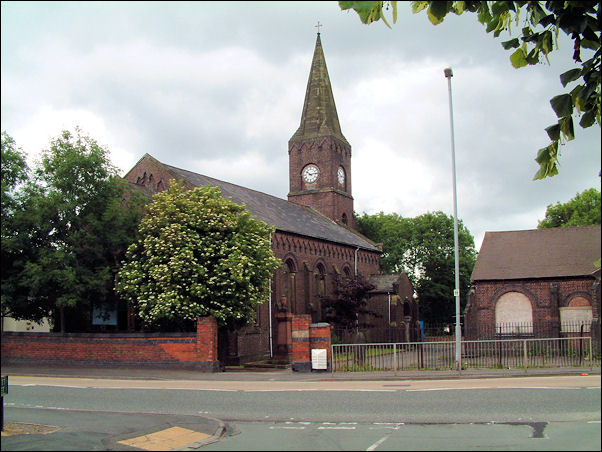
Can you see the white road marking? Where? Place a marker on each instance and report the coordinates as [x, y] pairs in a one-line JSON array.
[[313, 390], [378, 443], [472, 388]]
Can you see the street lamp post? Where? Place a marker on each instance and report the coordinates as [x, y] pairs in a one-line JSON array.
[[449, 74]]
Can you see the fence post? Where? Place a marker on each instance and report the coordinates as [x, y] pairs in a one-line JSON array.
[[401, 356], [581, 345], [525, 354], [591, 352], [395, 357], [499, 354]]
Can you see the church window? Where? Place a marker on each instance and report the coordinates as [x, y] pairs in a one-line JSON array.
[[289, 285], [347, 272], [320, 280], [320, 291], [344, 218]]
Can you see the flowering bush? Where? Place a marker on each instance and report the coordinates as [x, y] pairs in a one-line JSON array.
[[198, 255]]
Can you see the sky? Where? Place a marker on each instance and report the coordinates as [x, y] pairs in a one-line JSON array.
[[218, 88]]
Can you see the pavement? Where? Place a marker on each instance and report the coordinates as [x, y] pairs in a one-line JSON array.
[[93, 430]]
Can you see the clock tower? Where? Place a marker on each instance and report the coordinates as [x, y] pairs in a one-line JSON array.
[[319, 154]]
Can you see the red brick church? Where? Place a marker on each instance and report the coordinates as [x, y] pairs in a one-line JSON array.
[[315, 234]]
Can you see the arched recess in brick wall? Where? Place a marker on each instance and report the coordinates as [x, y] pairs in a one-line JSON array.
[[289, 284], [318, 290], [347, 270], [513, 311], [576, 316]]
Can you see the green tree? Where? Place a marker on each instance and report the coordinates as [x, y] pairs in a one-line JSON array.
[[73, 226], [582, 210], [198, 255], [14, 172], [423, 247], [539, 29]]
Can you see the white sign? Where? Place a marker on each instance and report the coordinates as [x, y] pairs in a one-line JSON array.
[[319, 358]]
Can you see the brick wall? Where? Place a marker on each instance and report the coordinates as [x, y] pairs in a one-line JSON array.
[[546, 297], [326, 195], [172, 349], [306, 254], [305, 337]]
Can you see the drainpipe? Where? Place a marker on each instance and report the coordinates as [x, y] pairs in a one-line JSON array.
[[358, 248], [270, 310], [389, 295]]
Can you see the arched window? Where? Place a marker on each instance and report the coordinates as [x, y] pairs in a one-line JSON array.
[[347, 271], [320, 291], [577, 316], [513, 314], [289, 286], [320, 280], [344, 218]]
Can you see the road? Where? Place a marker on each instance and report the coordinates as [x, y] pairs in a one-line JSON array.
[[522, 413]]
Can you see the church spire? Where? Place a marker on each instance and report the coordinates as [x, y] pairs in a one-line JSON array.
[[319, 117]]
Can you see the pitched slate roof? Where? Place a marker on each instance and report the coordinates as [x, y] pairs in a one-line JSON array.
[[283, 215], [538, 253]]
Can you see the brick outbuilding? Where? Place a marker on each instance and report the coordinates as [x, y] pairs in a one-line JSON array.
[[541, 283]]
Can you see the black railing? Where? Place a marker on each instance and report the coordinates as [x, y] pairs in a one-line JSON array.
[[446, 332], [517, 330]]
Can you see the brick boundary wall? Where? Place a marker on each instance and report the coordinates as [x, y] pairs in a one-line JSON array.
[[183, 350], [307, 336]]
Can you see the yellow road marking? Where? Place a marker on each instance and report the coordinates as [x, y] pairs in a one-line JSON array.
[[168, 439]]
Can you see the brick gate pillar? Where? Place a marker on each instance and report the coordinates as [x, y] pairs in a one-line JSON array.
[[206, 344]]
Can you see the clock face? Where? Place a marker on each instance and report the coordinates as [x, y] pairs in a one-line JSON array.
[[341, 175], [310, 173]]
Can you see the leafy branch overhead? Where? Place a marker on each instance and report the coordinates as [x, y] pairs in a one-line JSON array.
[[540, 24]]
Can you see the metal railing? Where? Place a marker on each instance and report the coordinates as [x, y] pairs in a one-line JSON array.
[[446, 332], [527, 353]]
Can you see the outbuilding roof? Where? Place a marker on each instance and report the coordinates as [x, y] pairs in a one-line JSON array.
[[538, 253]]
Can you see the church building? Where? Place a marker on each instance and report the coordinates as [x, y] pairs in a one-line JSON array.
[[315, 234]]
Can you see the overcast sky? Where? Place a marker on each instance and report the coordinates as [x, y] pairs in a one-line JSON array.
[[218, 88]]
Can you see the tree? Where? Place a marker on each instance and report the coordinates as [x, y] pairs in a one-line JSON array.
[[14, 172], [423, 247], [582, 210], [541, 26], [73, 226], [348, 302], [198, 255]]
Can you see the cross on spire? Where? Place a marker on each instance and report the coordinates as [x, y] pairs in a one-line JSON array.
[[318, 26]]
